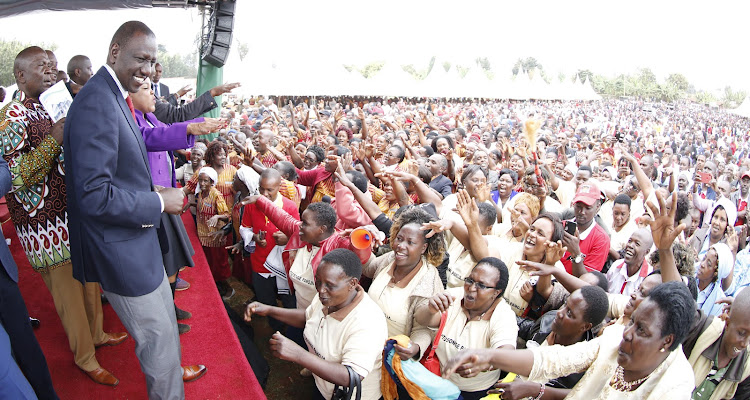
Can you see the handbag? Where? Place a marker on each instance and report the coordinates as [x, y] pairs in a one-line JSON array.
[[355, 383], [430, 359]]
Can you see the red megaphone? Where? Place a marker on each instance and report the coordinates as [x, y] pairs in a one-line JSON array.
[[361, 238]]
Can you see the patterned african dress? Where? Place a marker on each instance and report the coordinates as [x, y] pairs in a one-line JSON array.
[[37, 200], [267, 159], [224, 185]]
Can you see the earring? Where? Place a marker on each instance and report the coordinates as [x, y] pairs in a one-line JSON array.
[[662, 350]]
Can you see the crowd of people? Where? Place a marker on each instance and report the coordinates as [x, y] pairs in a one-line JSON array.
[[588, 249]]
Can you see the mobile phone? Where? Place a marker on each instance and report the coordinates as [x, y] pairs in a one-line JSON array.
[[262, 235], [570, 227], [705, 177]]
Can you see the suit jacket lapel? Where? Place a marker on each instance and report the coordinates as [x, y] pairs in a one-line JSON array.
[[128, 116]]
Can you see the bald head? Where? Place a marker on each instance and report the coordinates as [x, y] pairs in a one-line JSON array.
[[638, 246], [265, 137], [80, 69], [32, 71], [270, 181], [25, 56], [741, 304]]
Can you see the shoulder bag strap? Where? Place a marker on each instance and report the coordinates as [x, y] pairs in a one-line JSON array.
[[443, 318]]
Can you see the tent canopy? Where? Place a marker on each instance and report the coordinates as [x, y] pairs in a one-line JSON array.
[[15, 7]]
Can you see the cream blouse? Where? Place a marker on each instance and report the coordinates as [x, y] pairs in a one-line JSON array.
[[672, 379]]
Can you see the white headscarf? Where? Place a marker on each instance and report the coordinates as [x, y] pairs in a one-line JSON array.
[[250, 178], [211, 174]]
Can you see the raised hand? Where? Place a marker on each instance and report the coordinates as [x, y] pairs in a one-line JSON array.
[[554, 252], [732, 239], [225, 88], [467, 208], [435, 227], [369, 150], [208, 126], [663, 230], [441, 301]]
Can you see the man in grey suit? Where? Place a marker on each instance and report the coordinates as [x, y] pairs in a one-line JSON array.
[[115, 211]]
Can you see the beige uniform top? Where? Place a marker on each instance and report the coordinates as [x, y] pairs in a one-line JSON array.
[[353, 336]]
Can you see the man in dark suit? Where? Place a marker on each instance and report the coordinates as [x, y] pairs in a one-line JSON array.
[[15, 318], [115, 212], [161, 91], [169, 114]]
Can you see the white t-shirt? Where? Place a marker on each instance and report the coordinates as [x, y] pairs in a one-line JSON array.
[[301, 274], [393, 300], [461, 262], [354, 338], [621, 283], [458, 334]]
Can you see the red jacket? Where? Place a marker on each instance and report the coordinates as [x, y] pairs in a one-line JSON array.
[[290, 226], [254, 218]]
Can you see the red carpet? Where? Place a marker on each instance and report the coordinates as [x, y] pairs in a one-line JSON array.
[[211, 341]]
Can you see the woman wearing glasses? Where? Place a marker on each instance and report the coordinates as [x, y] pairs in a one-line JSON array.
[[477, 318]]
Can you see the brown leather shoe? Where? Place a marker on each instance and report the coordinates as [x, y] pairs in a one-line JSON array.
[[193, 372], [114, 339], [103, 377]]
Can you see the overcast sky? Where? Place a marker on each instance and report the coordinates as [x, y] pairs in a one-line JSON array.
[[706, 41]]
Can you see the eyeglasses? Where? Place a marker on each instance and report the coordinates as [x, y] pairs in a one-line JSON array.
[[481, 286]]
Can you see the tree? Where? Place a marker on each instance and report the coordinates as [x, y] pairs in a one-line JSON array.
[[8, 52], [447, 66], [371, 69], [422, 73], [242, 49], [177, 65], [731, 98], [584, 75], [561, 77], [462, 71], [679, 81]]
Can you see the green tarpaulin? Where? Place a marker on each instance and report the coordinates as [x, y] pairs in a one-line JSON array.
[[209, 77]]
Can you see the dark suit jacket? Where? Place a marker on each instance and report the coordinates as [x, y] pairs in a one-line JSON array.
[[169, 114], [114, 213], [5, 257]]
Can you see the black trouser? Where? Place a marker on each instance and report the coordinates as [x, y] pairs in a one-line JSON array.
[[266, 292], [26, 350]]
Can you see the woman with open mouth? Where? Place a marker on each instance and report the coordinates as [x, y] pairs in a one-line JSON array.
[[477, 318], [634, 362], [406, 278]]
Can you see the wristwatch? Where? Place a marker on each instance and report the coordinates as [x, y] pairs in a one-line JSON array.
[[577, 259]]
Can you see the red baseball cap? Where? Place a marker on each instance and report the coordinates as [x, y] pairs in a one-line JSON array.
[[745, 174], [588, 193]]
